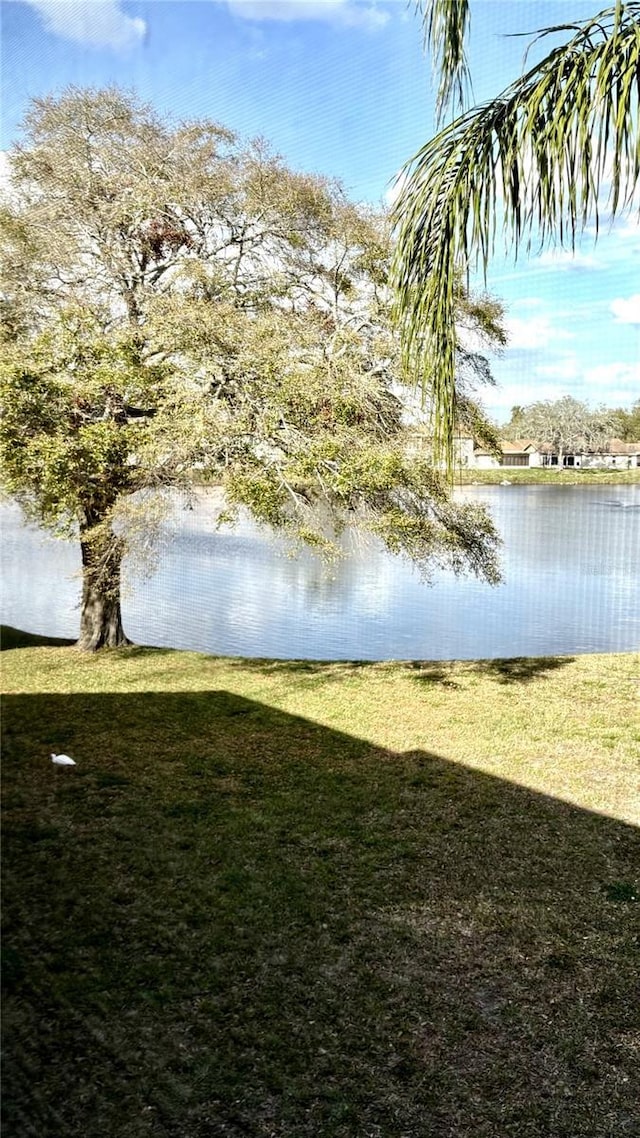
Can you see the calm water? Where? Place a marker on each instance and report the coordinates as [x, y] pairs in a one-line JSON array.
[[570, 558]]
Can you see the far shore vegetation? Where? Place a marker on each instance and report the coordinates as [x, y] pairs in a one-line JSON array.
[[547, 476], [300, 899]]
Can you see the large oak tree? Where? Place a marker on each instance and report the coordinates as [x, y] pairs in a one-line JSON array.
[[562, 425], [178, 305]]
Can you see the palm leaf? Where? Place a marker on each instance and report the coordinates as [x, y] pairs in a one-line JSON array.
[[535, 161], [445, 27]]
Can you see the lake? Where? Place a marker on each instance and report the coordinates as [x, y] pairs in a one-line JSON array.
[[570, 562]]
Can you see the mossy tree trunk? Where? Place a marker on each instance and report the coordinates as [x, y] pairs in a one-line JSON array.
[[101, 616]]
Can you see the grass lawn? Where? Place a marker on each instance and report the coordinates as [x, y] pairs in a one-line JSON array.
[[285, 900]]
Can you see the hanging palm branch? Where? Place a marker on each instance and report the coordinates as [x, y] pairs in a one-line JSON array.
[[535, 161], [445, 28]]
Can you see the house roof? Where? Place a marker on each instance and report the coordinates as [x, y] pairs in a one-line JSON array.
[[519, 446], [612, 447], [617, 446]]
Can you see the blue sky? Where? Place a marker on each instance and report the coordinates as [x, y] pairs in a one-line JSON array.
[[342, 87]]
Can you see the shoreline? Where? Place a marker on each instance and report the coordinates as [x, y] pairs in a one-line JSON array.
[[17, 639], [543, 477], [525, 476]]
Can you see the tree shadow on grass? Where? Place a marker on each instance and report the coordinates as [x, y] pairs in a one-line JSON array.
[[506, 671], [521, 669], [16, 638], [516, 670], [318, 669], [226, 920]]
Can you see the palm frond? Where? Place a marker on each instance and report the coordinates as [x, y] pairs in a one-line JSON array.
[[538, 157], [445, 25]]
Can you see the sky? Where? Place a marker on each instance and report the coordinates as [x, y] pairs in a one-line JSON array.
[[343, 88]]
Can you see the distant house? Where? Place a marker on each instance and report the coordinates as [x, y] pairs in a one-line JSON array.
[[521, 452], [621, 455], [614, 455], [420, 442]]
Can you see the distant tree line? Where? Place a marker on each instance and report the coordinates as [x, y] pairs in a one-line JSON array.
[[568, 424], [627, 422]]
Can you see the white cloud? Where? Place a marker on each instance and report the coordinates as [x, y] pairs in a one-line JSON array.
[[534, 333], [613, 383], [616, 248], [608, 385], [627, 229], [499, 400], [565, 368], [100, 23], [528, 303], [346, 13], [569, 261], [395, 189], [626, 311]]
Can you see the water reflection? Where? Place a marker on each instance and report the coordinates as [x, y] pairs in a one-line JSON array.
[[570, 565]]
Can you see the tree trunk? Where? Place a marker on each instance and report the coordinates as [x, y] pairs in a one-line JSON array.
[[101, 618]]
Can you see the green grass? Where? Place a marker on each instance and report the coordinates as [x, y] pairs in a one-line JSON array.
[[297, 899], [547, 476]]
